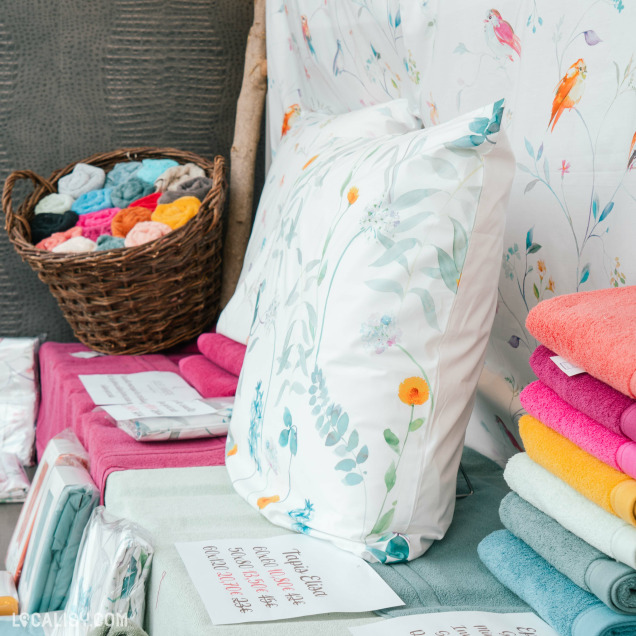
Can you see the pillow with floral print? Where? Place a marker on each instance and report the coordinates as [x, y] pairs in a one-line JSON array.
[[370, 289]]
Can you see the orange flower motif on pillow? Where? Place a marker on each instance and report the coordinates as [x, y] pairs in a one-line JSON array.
[[261, 502], [352, 195], [413, 391]]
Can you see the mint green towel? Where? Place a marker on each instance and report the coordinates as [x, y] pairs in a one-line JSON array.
[[450, 575], [612, 582]]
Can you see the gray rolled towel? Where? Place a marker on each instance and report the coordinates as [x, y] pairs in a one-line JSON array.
[[198, 187], [130, 191], [84, 178], [173, 177]]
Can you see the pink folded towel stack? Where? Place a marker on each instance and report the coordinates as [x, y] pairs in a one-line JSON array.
[[215, 373]]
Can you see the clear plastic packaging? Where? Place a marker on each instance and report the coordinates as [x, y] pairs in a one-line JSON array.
[[63, 450], [111, 571], [14, 484], [157, 429], [18, 396]]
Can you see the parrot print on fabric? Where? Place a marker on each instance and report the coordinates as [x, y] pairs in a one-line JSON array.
[[500, 36], [569, 91]]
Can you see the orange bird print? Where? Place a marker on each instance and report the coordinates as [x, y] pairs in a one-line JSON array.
[[569, 91], [291, 114], [632, 154]]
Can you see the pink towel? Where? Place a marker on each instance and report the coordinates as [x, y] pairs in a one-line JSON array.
[[612, 449], [94, 224], [600, 401], [207, 378], [223, 351], [595, 330]]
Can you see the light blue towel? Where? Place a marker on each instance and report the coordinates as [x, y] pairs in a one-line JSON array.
[[93, 201], [128, 191], [570, 610], [108, 242], [152, 169], [121, 172]]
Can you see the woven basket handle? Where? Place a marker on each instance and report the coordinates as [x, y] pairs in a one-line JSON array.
[[13, 219]]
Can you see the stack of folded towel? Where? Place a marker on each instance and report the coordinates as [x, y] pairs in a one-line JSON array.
[[134, 203], [215, 371], [569, 548]]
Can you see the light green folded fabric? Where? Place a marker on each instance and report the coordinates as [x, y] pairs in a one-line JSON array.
[[612, 582]]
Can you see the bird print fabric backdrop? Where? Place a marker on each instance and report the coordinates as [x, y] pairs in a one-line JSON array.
[[568, 74]]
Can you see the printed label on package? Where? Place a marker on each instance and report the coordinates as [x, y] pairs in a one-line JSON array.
[[458, 624], [567, 367], [289, 576]]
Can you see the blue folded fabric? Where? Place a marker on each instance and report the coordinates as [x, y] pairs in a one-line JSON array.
[[152, 169], [121, 172], [570, 610], [131, 190], [450, 576], [93, 201]]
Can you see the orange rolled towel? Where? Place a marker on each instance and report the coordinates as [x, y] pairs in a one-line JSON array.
[[126, 219], [177, 213]]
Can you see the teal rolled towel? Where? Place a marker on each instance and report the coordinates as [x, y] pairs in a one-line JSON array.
[[54, 204], [130, 191], [612, 582], [108, 242], [93, 201], [81, 180], [152, 169], [569, 609], [197, 187], [121, 172]]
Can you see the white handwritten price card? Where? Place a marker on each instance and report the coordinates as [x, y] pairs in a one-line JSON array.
[[458, 624], [248, 580]]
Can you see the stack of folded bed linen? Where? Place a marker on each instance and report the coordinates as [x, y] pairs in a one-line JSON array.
[[569, 547]]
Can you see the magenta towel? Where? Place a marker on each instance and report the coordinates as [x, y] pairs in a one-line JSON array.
[[94, 224], [223, 351], [601, 402], [612, 449], [594, 330], [207, 378]]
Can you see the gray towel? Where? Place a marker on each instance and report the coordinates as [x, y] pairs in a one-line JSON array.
[[612, 582], [197, 187], [450, 576]]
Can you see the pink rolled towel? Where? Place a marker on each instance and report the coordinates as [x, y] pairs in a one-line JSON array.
[[594, 330], [612, 449], [58, 238], [224, 352], [145, 232], [94, 224], [600, 401], [208, 379]]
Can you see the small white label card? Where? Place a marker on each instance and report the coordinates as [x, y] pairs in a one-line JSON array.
[[567, 367], [86, 355], [288, 576], [458, 624], [147, 387], [121, 412]]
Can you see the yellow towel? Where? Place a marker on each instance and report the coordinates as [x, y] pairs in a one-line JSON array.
[[177, 213], [612, 490], [8, 605]]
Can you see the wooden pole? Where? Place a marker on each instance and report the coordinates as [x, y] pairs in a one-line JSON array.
[[249, 113]]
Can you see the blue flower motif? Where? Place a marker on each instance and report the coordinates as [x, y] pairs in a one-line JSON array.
[[301, 515], [256, 425]]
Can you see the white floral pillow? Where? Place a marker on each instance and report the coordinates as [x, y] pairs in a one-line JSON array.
[[369, 297]]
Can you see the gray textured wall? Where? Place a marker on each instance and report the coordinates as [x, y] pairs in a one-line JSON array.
[[84, 76]]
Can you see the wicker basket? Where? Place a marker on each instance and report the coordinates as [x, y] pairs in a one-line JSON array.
[[140, 299]]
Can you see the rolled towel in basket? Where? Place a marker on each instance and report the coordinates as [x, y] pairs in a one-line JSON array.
[[598, 400], [606, 487], [177, 213], [121, 172], [77, 244], [570, 610], [95, 224], [612, 582], [108, 242], [81, 180], [93, 201], [150, 201], [126, 219], [125, 193], [198, 188], [576, 326], [173, 177], [59, 237], [145, 232], [152, 169], [45, 224], [611, 448], [54, 204], [207, 378]]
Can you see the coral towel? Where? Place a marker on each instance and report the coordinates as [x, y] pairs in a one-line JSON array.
[[595, 330]]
